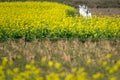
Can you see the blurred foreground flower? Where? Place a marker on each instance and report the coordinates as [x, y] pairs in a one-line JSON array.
[[98, 75]]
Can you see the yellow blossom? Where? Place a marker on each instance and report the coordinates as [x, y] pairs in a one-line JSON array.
[[58, 65], [16, 70], [98, 75], [50, 63], [89, 61], [109, 56], [113, 78], [74, 69], [43, 60]]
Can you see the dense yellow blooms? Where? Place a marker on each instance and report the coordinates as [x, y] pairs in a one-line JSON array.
[[31, 20]]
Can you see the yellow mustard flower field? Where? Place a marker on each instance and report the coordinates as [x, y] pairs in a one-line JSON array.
[[35, 20], [48, 59]]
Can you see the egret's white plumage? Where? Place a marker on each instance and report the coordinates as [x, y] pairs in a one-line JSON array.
[[83, 11]]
